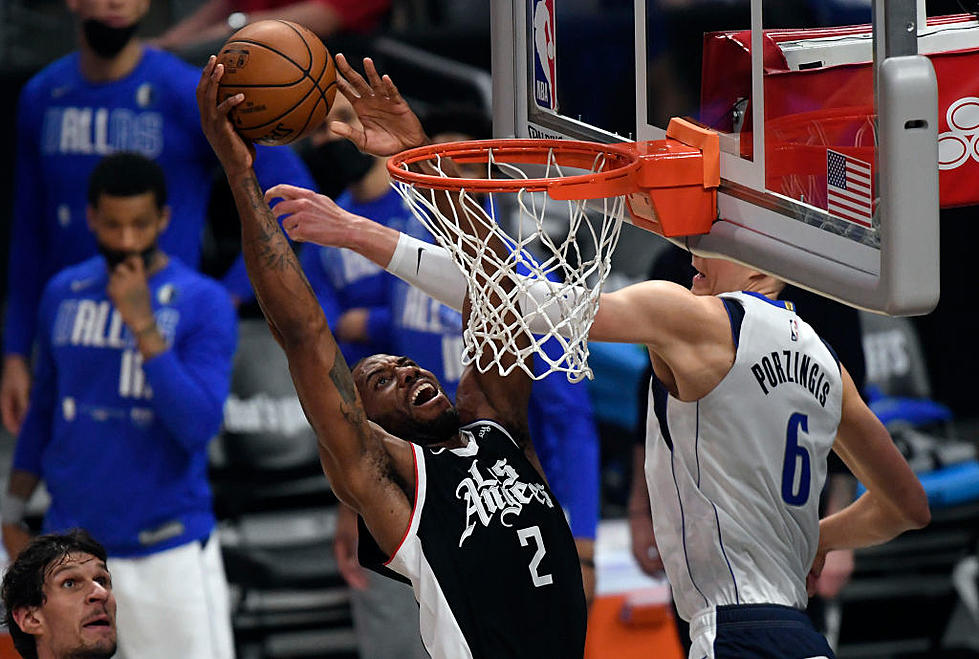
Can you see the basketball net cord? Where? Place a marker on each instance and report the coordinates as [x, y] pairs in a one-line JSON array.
[[554, 295]]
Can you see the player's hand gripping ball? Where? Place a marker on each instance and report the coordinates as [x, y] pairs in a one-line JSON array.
[[287, 76]]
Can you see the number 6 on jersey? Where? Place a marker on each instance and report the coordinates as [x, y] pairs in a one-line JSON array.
[[796, 459]]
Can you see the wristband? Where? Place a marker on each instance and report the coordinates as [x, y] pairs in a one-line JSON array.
[[428, 268], [12, 509]]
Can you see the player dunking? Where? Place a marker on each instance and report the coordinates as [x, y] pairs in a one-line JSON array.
[[452, 495], [746, 403]]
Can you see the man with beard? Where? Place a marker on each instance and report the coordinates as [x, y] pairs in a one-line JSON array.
[[453, 496], [58, 600], [112, 94], [133, 367]]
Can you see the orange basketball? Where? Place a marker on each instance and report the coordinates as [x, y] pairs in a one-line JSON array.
[[287, 76]]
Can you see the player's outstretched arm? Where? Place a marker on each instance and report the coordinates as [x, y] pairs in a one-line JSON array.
[[895, 500], [314, 218], [356, 455]]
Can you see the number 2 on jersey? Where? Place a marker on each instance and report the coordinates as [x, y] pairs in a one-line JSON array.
[[525, 535], [796, 459]]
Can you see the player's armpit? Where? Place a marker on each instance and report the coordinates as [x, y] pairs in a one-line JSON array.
[[386, 498]]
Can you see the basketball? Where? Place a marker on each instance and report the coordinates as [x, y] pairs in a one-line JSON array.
[[287, 76]]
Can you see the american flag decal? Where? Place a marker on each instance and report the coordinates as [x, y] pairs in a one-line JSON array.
[[849, 192]]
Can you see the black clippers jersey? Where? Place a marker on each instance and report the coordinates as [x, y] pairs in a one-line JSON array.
[[490, 555]]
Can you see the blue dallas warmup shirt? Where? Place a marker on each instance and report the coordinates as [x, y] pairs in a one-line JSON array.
[[343, 279], [65, 125], [122, 444], [404, 321]]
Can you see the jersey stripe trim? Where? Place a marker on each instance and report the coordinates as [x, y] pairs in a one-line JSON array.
[[416, 513], [660, 401], [735, 314], [717, 518], [440, 631], [683, 519], [781, 304], [832, 352], [720, 541]]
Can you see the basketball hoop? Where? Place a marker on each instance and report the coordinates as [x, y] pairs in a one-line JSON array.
[[549, 282]]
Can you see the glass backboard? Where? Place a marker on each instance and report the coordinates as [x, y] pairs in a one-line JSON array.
[[838, 193]]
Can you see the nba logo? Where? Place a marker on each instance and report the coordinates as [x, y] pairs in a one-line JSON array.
[[545, 70], [234, 58], [794, 329]]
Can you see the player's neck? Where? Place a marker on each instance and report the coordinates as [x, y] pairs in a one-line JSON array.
[[768, 289], [99, 69], [763, 285], [455, 441], [373, 185]]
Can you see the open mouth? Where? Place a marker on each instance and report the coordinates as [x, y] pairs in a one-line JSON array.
[[101, 621], [423, 393]]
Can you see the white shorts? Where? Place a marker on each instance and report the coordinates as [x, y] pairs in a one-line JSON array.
[[173, 604]]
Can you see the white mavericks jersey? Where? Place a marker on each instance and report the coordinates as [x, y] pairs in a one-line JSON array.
[[735, 477]]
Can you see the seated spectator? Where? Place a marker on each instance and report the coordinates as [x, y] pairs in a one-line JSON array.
[[58, 599]]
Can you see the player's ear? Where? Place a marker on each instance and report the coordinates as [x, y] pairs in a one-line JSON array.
[[28, 619], [164, 218], [90, 217]]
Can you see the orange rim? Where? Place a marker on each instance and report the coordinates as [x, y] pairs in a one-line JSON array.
[[617, 176]]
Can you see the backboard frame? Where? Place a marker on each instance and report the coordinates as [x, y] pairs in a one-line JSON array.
[[897, 276]]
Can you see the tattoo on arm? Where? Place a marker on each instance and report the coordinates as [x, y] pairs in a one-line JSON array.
[[273, 248], [351, 408]]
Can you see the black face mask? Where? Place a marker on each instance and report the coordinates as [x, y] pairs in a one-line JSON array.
[[114, 257], [105, 40], [337, 164]]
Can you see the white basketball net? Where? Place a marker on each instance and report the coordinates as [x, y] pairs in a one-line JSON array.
[[563, 309]]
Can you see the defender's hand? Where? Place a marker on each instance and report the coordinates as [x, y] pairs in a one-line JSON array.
[[586, 556], [345, 548], [236, 155], [815, 571], [836, 573], [644, 543], [312, 218], [130, 294], [15, 538], [388, 125], [15, 388]]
